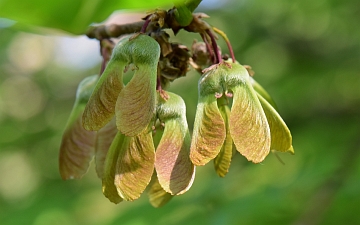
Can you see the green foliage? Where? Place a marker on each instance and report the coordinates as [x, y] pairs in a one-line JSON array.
[[184, 10], [183, 15], [69, 15]]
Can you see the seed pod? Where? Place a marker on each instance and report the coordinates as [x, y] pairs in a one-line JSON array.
[[108, 186], [129, 166], [131, 101], [157, 195], [104, 138], [101, 106], [135, 166], [281, 139], [209, 127], [77, 145], [174, 169], [223, 159], [135, 106], [248, 124]]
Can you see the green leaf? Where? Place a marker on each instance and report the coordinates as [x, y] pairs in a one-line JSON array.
[[77, 145], [184, 10], [157, 195], [192, 4], [281, 139], [135, 166], [183, 15], [174, 169], [108, 186], [248, 124], [73, 16], [223, 159], [135, 106]]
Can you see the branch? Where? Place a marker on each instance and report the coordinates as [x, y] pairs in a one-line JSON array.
[[101, 32]]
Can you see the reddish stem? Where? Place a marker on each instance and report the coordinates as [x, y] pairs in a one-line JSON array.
[[227, 43], [208, 47], [214, 45], [158, 84], [231, 51], [146, 24]]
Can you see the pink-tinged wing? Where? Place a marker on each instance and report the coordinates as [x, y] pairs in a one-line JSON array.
[[135, 166]]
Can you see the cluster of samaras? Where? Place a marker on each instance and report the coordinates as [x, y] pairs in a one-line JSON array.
[[116, 123]]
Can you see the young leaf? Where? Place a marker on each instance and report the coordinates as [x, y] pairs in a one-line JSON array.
[[135, 166], [248, 124], [174, 169], [192, 4], [184, 10], [281, 139], [135, 105], [183, 15], [77, 145]]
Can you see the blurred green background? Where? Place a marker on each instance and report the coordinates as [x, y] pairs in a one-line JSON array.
[[305, 53]]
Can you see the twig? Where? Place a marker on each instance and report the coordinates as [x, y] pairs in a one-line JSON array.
[[114, 30]]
